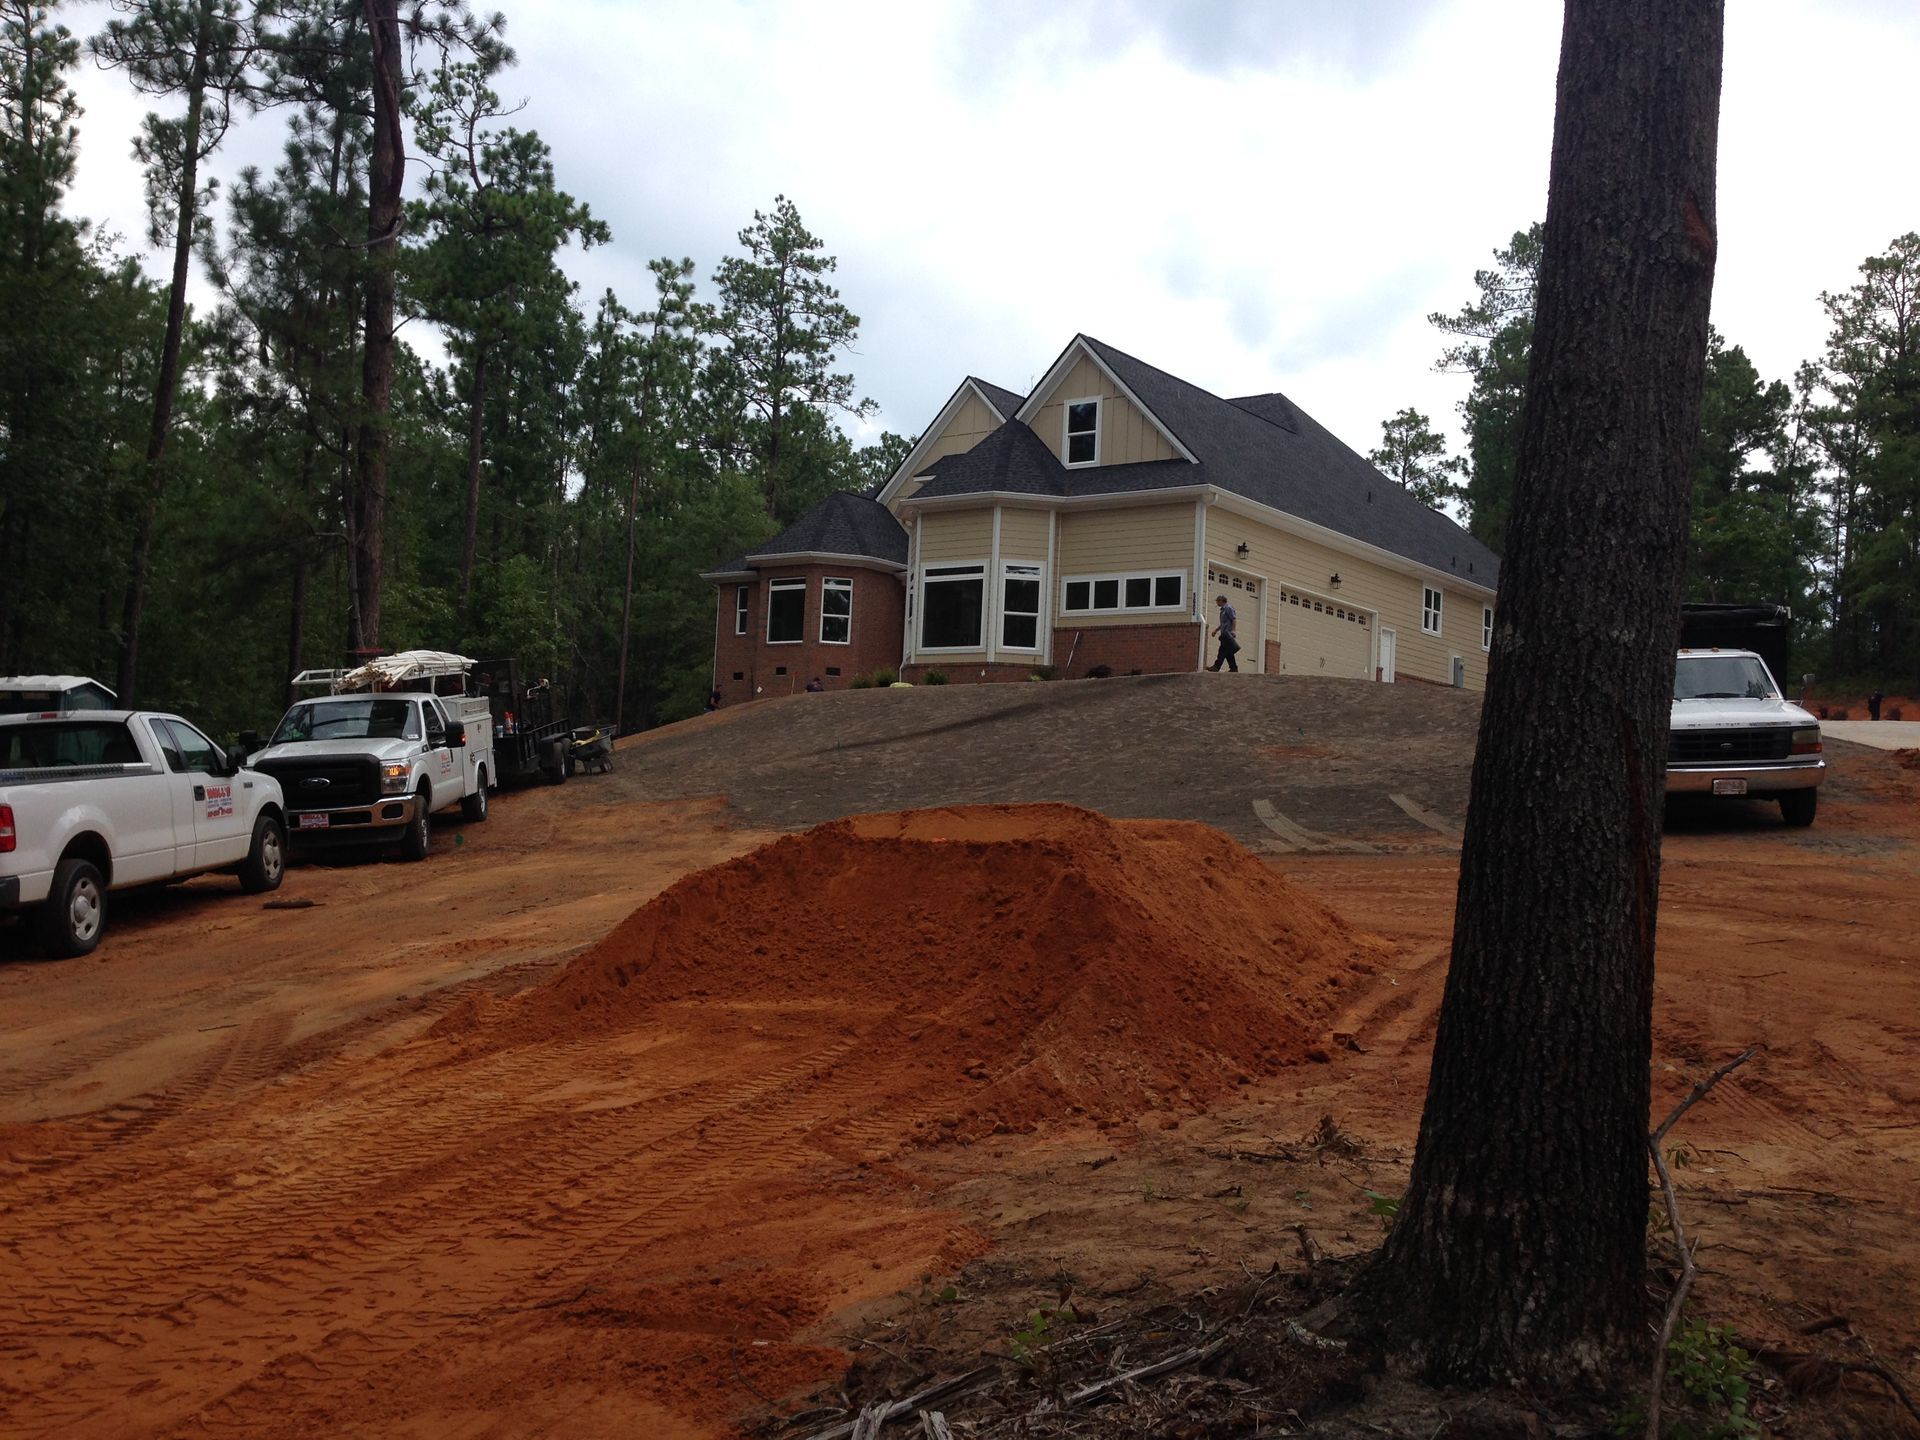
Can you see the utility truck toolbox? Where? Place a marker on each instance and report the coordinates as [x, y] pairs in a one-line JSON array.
[[393, 741], [99, 800]]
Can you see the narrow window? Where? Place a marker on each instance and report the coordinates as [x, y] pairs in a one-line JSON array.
[[1079, 595], [786, 611], [836, 612], [740, 609], [1083, 432], [1139, 592], [1020, 608], [1106, 594], [1486, 627], [1166, 591], [1430, 610], [953, 607]]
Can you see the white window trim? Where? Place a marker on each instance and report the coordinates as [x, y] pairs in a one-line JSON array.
[[835, 582], [1486, 628], [801, 586], [1437, 610], [1029, 570], [1152, 576], [920, 634], [741, 604], [1066, 435]]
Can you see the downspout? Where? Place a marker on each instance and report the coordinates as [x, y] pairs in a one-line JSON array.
[[1053, 578], [907, 608], [1199, 571], [993, 598]]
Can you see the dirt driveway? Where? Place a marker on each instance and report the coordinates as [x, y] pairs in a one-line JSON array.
[[241, 1192]]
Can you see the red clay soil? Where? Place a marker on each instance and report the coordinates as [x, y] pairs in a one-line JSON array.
[[1023, 954]]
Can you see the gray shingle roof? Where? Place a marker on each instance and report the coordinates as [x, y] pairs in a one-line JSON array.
[[1005, 401], [842, 524]]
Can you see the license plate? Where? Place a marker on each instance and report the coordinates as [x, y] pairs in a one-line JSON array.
[[318, 822], [1730, 787]]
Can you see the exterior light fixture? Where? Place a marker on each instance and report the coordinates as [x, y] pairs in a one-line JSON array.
[[1241, 550], [1335, 581]]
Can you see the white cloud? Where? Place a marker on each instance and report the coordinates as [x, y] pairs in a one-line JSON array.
[[1253, 196]]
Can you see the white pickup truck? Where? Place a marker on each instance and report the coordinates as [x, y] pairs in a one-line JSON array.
[[106, 799], [370, 767], [1734, 733]]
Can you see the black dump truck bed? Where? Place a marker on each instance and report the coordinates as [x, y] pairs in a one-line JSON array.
[[1764, 629]]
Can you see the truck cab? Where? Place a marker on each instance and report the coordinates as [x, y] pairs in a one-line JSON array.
[[1733, 733]]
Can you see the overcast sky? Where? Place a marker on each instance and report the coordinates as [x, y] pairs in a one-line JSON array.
[[1252, 194]]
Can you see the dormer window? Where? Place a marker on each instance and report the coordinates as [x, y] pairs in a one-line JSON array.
[[1083, 432]]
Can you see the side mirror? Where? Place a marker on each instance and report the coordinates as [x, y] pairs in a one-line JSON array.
[[247, 744], [456, 735]]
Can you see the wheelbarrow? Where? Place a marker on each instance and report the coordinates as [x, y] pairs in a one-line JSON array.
[[593, 746]]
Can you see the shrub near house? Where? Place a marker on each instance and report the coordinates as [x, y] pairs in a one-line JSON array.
[[1089, 525]]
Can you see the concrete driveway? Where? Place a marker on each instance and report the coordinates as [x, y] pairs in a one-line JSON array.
[[1881, 734]]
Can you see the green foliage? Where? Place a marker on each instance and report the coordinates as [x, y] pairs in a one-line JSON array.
[[1707, 1362], [934, 677], [884, 677], [1026, 1343], [1387, 1207], [1412, 455]]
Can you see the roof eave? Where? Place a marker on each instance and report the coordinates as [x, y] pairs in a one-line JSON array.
[[1346, 544]]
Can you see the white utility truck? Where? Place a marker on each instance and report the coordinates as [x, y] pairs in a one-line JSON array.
[[1734, 733], [105, 799], [370, 761]]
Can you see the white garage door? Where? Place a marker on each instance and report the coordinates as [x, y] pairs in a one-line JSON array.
[[1320, 635]]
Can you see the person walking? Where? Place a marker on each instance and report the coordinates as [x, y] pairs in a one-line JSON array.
[[1228, 631], [1873, 705]]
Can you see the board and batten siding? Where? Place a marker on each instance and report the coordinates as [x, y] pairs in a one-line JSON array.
[[950, 535], [1127, 540], [1126, 435], [1392, 598], [971, 424]]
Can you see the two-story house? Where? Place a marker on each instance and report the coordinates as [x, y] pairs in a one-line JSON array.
[[1091, 523]]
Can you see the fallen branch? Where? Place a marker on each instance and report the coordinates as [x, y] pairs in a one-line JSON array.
[[1685, 1284], [1179, 1360], [847, 1428]]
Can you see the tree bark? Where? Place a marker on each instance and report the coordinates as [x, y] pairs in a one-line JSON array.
[[166, 386], [1519, 1253], [476, 445], [385, 175]]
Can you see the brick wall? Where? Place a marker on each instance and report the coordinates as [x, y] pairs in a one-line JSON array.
[[1273, 657], [765, 671], [1150, 649], [972, 672]]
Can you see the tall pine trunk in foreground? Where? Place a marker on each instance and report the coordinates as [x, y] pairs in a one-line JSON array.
[[1519, 1254]]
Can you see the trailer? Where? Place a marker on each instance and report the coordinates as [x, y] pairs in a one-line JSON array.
[[530, 736]]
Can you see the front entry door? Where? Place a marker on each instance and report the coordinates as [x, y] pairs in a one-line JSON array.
[[1386, 655], [1247, 595]]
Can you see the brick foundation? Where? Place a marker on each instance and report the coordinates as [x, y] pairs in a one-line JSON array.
[[1273, 657], [972, 672], [1123, 649], [879, 613]]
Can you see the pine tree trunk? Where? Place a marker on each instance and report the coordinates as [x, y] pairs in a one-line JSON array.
[[476, 445], [1519, 1253], [385, 175], [166, 386]]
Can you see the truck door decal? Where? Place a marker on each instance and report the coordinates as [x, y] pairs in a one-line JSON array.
[[219, 801]]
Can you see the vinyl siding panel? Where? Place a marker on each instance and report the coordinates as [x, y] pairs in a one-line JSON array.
[[970, 425], [948, 535], [1126, 435], [1023, 535], [1119, 541]]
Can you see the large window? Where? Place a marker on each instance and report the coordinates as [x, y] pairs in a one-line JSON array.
[[786, 611], [1486, 627], [1085, 594], [953, 606], [1020, 607], [740, 609], [1430, 610], [836, 612], [1083, 432]]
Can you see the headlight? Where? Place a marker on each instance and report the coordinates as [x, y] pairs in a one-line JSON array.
[[1807, 741], [393, 778]]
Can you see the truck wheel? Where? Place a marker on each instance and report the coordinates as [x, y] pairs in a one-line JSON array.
[[416, 839], [266, 863], [556, 768], [474, 807], [75, 910], [1797, 807]]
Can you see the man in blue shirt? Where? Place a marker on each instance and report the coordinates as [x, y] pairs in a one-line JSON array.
[[1229, 640]]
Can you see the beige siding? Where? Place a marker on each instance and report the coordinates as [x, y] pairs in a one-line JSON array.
[[972, 424], [947, 535], [1126, 435], [1120, 541], [1293, 565], [1023, 535]]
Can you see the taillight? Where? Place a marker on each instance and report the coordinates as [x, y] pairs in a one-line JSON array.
[[6, 828]]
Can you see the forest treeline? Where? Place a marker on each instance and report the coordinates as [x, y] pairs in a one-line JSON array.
[[196, 505], [1806, 491]]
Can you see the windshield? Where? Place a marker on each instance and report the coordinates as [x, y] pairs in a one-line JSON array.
[[359, 717], [66, 742], [1721, 677]]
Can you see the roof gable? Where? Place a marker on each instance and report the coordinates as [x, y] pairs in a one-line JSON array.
[[1000, 404], [1080, 347], [845, 524]]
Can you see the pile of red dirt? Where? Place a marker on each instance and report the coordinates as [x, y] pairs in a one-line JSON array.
[[988, 968]]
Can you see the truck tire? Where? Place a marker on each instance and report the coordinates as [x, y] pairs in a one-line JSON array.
[[556, 766], [474, 807], [74, 914], [266, 863], [417, 838], [1797, 807]]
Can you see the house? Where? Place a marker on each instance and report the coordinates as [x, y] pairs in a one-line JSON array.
[[1091, 523]]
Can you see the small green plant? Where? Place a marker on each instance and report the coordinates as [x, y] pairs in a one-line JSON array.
[[883, 677], [1387, 1207], [1025, 1343], [1303, 1199], [1042, 672], [861, 682], [934, 677], [1712, 1368]]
